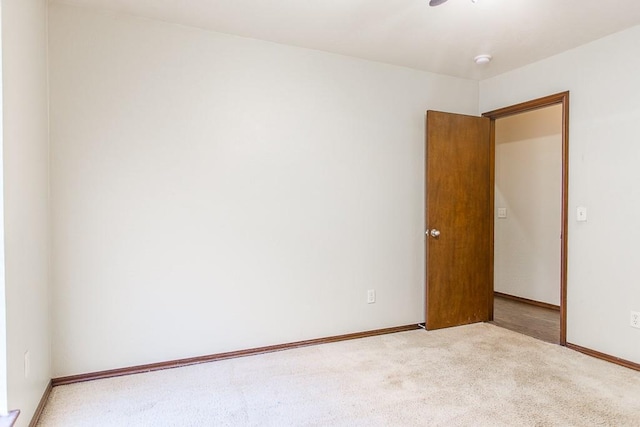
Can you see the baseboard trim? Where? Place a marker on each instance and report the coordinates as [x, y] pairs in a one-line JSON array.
[[527, 301], [223, 356], [43, 402], [10, 419], [604, 356]]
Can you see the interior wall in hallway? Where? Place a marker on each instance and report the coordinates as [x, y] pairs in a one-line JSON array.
[[528, 179]]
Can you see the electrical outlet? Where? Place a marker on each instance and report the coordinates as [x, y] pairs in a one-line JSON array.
[[27, 364], [635, 319], [371, 296]]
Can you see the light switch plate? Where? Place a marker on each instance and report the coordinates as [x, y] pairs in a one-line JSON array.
[[581, 214], [502, 212]]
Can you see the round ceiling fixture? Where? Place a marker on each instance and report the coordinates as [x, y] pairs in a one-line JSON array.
[[482, 59], [439, 2]]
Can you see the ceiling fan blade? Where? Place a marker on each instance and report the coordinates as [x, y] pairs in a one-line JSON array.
[[436, 2]]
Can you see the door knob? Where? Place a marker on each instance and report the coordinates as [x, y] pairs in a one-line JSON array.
[[435, 233]]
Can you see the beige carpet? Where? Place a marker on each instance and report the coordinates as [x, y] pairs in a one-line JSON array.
[[477, 375]]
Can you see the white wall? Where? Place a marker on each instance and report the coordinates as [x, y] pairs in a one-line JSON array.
[[26, 201], [527, 242], [213, 193], [603, 270]]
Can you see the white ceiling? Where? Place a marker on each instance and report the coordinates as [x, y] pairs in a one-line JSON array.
[[442, 39]]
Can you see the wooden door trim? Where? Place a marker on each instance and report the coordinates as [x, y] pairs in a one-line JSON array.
[[547, 101], [492, 198]]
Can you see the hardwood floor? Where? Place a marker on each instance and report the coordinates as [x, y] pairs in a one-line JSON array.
[[538, 322]]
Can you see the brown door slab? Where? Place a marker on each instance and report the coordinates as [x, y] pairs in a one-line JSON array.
[[458, 219]]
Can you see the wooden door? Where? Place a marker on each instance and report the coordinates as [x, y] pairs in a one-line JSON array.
[[459, 215]]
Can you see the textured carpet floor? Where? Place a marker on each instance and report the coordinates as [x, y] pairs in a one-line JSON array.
[[477, 375]]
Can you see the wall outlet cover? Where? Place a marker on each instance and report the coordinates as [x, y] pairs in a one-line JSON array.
[[635, 319], [371, 296]]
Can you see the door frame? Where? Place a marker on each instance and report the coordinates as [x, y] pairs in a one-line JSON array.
[[547, 101]]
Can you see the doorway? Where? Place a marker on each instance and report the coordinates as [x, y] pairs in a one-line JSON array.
[[459, 212], [530, 175]]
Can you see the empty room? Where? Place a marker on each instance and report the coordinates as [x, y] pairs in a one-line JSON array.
[[234, 212]]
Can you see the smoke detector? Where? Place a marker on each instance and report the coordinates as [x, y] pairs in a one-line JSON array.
[[482, 59]]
